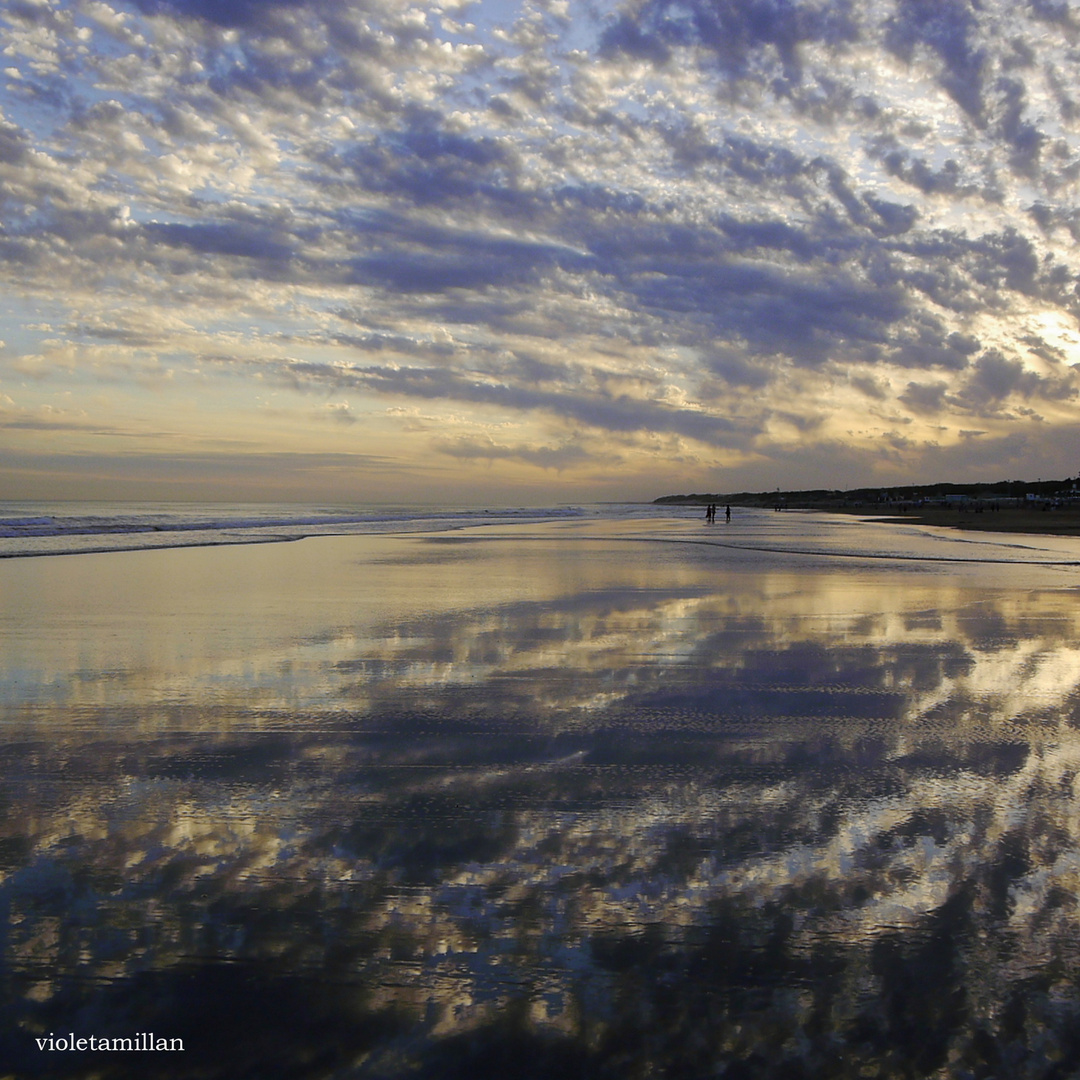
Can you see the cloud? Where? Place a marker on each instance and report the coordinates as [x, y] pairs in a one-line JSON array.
[[428, 164], [228, 13], [990, 383], [994, 378], [558, 458], [947, 29], [757, 39], [50, 419], [925, 397], [736, 369], [712, 224], [945, 180], [340, 412], [597, 409], [222, 238]]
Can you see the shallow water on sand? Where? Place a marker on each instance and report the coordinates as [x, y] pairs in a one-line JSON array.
[[794, 797]]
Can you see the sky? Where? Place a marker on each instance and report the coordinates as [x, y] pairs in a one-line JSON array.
[[536, 251]]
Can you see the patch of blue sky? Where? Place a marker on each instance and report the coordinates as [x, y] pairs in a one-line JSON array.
[[27, 322], [586, 23], [35, 107], [485, 14]]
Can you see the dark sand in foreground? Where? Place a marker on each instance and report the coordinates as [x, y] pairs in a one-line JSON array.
[[1064, 521]]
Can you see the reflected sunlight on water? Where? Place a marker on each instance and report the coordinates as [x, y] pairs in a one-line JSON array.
[[586, 798]]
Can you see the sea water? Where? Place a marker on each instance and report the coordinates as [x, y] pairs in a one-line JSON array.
[[586, 792], [53, 528]]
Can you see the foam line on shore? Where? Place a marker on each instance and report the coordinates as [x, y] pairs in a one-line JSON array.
[[773, 550], [864, 554], [168, 546]]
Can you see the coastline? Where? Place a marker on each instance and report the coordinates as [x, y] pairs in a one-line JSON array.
[[977, 515]]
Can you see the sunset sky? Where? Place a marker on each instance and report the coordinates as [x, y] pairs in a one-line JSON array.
[[537, 251]]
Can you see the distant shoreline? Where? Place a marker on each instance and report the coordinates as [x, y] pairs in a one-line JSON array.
[[960, 507]]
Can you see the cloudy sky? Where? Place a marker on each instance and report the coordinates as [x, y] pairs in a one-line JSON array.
[[538, 250]]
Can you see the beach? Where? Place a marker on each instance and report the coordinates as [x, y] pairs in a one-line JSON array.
[[1043, 518], [585, 794]]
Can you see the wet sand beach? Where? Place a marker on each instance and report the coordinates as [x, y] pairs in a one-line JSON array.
[[794, 797]]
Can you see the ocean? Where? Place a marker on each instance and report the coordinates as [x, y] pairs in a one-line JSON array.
[[54, 528], [582, 791]]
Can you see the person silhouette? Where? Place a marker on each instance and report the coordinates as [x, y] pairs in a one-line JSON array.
[[727, 512]]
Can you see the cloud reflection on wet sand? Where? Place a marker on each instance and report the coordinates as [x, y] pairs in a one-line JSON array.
[[395, 808]]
